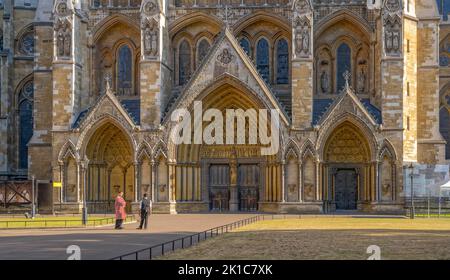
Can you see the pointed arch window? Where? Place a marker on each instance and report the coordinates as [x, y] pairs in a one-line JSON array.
[[245, 44], [282, 62], [184, 62], [25, 122], [344, 64], [124, 71], [262, 59], [202, 50], [444, 128]]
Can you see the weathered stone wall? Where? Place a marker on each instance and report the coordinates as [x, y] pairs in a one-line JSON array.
[[409, 94]]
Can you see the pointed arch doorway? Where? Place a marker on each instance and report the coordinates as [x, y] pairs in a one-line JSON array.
[[349, 172], [110, 169]]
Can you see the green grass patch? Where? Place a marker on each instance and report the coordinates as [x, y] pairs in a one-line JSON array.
[[57, 222], [327, 239]]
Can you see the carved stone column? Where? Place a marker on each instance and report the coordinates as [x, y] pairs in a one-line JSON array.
[[302, 64], [234, 199]]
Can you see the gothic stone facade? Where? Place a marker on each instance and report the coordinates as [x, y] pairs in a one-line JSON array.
[[88, 88]]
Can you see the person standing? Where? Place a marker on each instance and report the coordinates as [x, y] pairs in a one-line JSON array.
[[145, 207], [119, 206]]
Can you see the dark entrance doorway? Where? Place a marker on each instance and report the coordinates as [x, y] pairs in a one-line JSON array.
[[248, 187], [346, 189], [219, 182]]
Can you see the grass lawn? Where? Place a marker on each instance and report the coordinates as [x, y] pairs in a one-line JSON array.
[[56, 222], [328, 239]]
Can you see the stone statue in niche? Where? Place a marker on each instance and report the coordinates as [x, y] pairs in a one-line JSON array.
[[298, 41], [63, 38], [361, 81], [324, 82], [302, 37], [392, 35], [151, 39]]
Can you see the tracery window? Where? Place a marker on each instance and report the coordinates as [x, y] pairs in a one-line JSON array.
[[444, 56], [444, 120], [124, 71], [26, 43], [282, 62], [25, 107], [184, 58], [343, 64], [262, 59], [202, 50], [245, 44]]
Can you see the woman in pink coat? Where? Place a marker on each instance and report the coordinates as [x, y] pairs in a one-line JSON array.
[[120, 210]]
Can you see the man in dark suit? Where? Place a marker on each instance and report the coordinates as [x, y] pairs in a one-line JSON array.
[[145, 208]]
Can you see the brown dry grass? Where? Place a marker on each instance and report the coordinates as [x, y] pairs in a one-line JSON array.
[[329, 239]]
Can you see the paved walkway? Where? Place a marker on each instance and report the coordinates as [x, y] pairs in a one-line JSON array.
[[105, 243]]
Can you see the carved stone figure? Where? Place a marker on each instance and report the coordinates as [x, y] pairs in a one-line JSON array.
[[298, 40], [67, 42], [225, 57], [361, 82], [302, 37], [324, 82], [63, 38], [151, 39], [392, 34], [60, 42]]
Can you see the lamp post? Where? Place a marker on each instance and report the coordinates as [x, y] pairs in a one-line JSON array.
[[411, 174], [84, 217], [33, 200]]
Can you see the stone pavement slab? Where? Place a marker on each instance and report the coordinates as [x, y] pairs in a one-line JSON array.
[[105, 243]]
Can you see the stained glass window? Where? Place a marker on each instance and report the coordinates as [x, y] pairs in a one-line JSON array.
[[184, 63], [26, 44], [282, 62], [245, 44], [262, 59], [444, 127], [25, 122], [343, 64], [124, 71], [202, 51]]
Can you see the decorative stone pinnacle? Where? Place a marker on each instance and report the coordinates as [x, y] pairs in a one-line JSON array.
[[347, 75], [108, 80]]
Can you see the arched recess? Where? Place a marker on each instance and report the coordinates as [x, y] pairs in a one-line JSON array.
[[387, 166], [308, 174], [109, 151], [24, 118], [350, 174], [331, 33], [292, 171], [444, 117], [192, 28], [145, 164], [228, 157], [68, 160], [108, 38], [254, 28], [163, 170], [25, 42]]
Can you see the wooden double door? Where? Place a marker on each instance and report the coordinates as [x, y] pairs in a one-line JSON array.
[[346, 189], [220, 189]]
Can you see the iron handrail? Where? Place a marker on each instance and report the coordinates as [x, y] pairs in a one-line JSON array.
[[171, 245]]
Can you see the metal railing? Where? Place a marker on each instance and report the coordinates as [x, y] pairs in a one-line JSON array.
[[188, 241], [60, 223]]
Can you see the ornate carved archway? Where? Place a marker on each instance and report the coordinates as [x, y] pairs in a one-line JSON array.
[[348, 173]]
